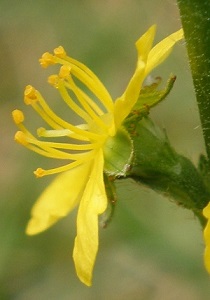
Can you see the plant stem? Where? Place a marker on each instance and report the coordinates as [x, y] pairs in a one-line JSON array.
[[195, 17]]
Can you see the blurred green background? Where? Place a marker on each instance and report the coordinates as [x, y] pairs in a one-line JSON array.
[[152, 249]]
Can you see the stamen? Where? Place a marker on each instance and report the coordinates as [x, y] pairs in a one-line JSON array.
[[88, 78], [47, 112], [51, 151], [46, 60], [42, 132], [64, 71], [20, 137], [30, 95], [53, 80], [60, 52], [41, 172], [79, 95], [18, 116], [68, 100], [51, 146]]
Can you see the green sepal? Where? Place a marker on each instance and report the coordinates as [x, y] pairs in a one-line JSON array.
[[161, 168], [149, 97], [150, 94], [106, 217], [118, 153]]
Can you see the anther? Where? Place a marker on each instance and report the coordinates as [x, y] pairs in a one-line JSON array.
[[18, 116], [64, 71], [39, 172], [40, 131], [46, 60], [30, 95], [20, 137], [60, 52], [53, 80]]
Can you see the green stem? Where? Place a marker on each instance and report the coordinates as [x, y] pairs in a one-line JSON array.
[[195, 17]]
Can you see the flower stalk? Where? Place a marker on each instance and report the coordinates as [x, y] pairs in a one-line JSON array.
[[195, 17]]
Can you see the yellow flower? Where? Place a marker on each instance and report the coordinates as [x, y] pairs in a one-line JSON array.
[[92, 148], [206, 213]]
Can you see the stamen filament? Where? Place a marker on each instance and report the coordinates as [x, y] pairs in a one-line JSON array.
[[41, 172], [42, 132], [92, 104], [82, 134], [88, 78], [66, 146], [68, 100], [86, 106]]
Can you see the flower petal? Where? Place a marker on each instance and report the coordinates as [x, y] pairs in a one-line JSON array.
[[206, 234], [162, 50], [206, 211], [58, 199], [207, 249], [125, 103], [93, 203], [144, 43]]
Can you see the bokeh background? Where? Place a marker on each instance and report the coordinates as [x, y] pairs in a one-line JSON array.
[[152, 249]]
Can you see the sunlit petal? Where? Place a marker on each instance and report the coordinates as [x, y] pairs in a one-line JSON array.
[[162, 50], [93, 203], [58, 199], [144, 43], [125, 103], [206, 233]]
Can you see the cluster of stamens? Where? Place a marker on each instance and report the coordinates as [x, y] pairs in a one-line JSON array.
[[85, 140]]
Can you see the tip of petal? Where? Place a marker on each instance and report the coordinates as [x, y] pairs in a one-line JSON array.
[[144, 43], [38, 224]]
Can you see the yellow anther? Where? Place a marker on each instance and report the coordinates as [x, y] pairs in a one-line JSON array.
[[60, 52], [20, 137], [39, 172], [47, 59], [64, 71], [40, 131], [53, 80], [30, 95], [18, 116]]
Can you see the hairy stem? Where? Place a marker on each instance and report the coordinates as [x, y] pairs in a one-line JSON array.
[[195, 17]]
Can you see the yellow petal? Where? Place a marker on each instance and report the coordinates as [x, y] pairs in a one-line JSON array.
[[124, 104], [206, 211], [93, 203], [144, 43], [207, 249], [58, 199], [161, 51]]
